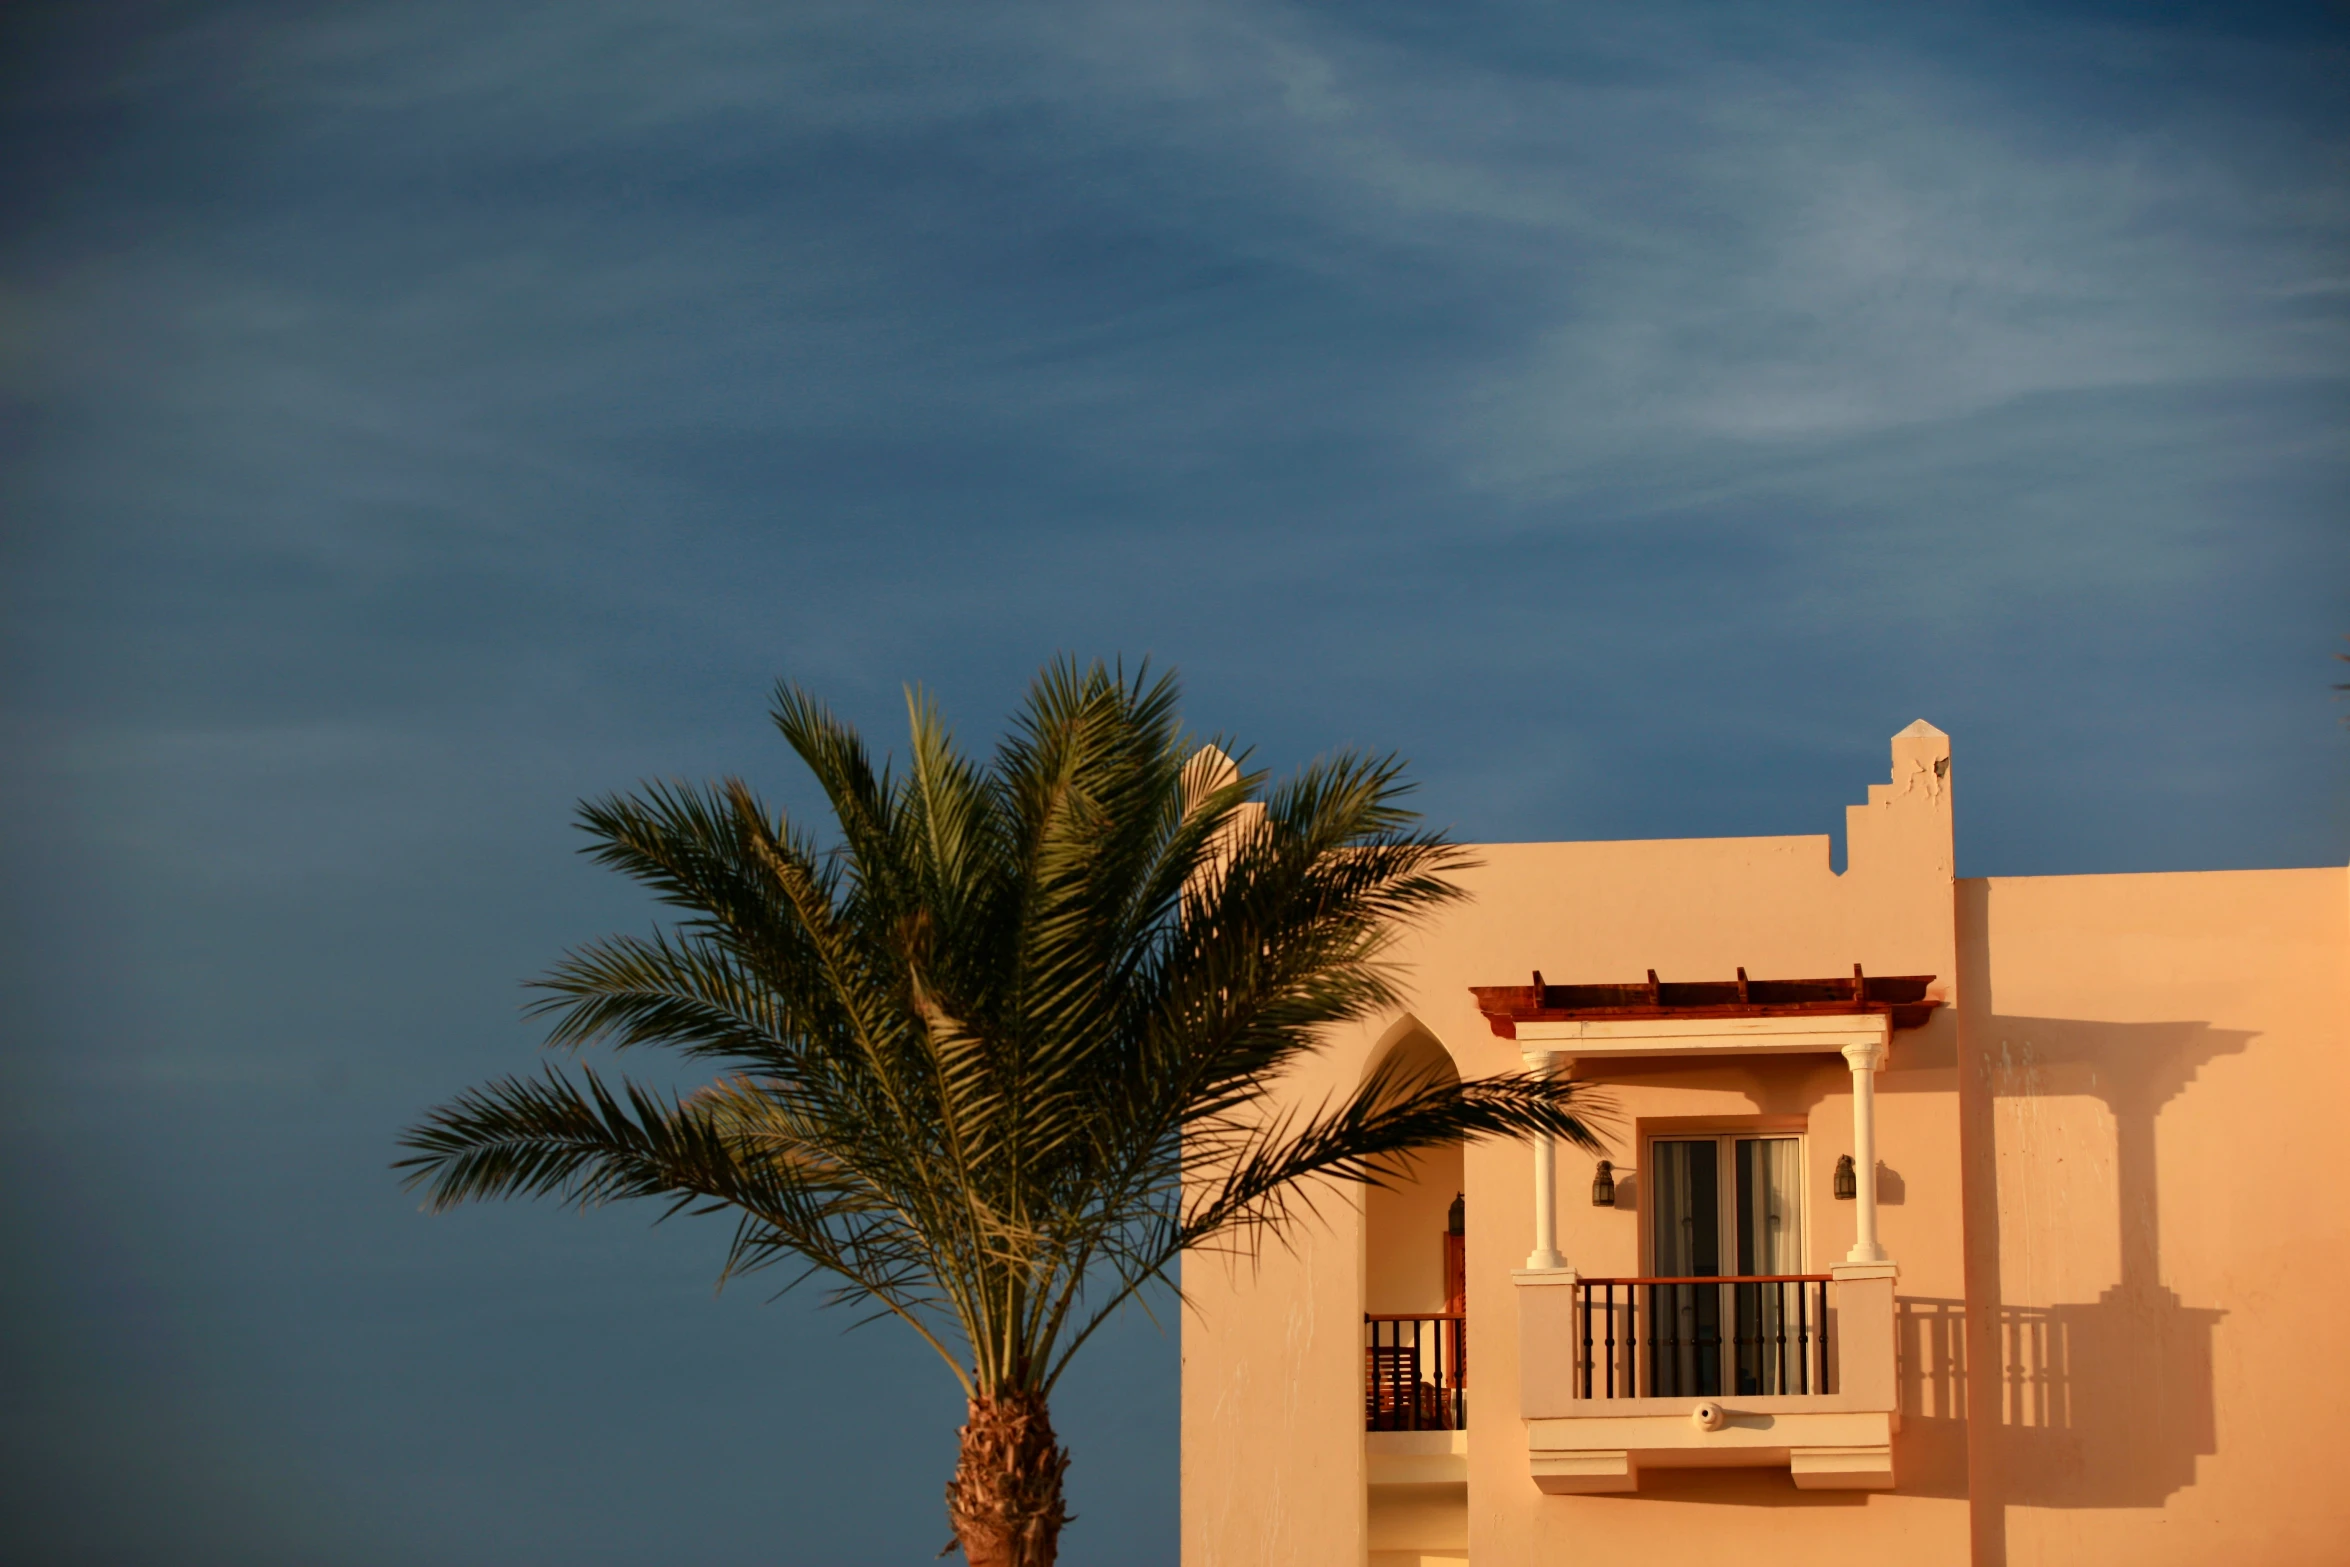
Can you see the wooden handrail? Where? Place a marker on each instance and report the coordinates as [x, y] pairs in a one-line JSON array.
[[1726, 1278], [1415, 1316]]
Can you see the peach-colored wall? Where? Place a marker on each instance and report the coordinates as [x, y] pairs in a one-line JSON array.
[[2150, 1070], [1273, 1385], [2159, 1244], [1404, 1246]]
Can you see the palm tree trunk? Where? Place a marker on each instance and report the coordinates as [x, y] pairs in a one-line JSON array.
[[1005, 1499]]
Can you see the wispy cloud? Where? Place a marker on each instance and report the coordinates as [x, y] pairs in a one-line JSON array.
[[414, 417]]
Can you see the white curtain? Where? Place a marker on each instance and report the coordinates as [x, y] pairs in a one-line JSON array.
[[1681, 1210], [1770, 1227], [1684, 1320], [1770, 1241]]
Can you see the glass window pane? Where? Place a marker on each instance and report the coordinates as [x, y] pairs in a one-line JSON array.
[[1684, 1342], [1770, 1205], [1685, 1234], [1770, 1333]]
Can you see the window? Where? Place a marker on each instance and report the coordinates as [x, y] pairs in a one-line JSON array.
[[1726, 1207]]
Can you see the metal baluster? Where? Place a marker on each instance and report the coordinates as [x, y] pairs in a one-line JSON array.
[[1460, 1374], [1420, 1410], [1384, 1365], [1407, 1375], [1697, 1340], [1803, 1334], [1456, 1368], [1583, 1293], [1632, 1338], [1398, 1405], [1408, 1378], [1726, 1352], [1395, 1376], [1419, 1375], [1740, 1344], [1664, 1337], [1684, 1339], [1760, 1338], [1611, 1341], [1640, 1376], [1779, 1320], [1725, 1329], [1664, 1346], [1447, 1385], [1448, 1345], [1727, 1295], [1443, 1378], [1640, 1302], [1667, 1342], [1387, 1379], [1827, 1376], [1412, 1388]]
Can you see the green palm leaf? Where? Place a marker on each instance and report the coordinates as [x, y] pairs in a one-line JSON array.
[[995, 1061]]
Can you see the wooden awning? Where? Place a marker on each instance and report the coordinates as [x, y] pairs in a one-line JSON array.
[[1900, 998]]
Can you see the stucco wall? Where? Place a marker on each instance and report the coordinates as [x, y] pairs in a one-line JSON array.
[[1404, 1250], [2155, 1093]]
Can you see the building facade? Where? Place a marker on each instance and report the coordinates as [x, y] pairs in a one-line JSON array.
[[1992, 1221]]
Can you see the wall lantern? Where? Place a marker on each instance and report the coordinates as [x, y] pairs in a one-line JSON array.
[[1603, 1186], [1847, 1181]]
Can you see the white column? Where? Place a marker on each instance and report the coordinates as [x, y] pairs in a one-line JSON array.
[[1864, 1061], [1546, 1199]]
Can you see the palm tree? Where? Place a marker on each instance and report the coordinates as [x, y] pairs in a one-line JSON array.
[[997, 1059]]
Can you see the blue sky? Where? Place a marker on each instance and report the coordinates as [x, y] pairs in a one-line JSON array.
[[416, 417]]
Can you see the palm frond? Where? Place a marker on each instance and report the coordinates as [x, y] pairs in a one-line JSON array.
[[997, 1059]]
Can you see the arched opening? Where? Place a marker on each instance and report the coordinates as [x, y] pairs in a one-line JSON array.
[[1415, 1332], [1413, 1234]]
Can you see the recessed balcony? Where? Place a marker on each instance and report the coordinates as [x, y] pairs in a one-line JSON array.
[[1416, 1372]]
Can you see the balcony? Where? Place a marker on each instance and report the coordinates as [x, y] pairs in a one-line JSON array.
[[1699, 1370], [1415, 1400], [1791, 1371], [1416, 1372]]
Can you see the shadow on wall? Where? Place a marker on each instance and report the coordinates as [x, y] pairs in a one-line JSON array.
[[2103, 1403]]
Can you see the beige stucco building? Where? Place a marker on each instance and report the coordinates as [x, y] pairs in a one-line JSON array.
[[2100, 1317]]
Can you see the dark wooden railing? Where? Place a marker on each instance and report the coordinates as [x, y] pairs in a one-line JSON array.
[[1703, 1337], [1416, 1372]]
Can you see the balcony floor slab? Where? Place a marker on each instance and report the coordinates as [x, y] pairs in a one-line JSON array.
[[1821, 1450]]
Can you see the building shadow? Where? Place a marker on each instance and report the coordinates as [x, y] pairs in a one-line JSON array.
[[1930, 1355], [2096, 1403]]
